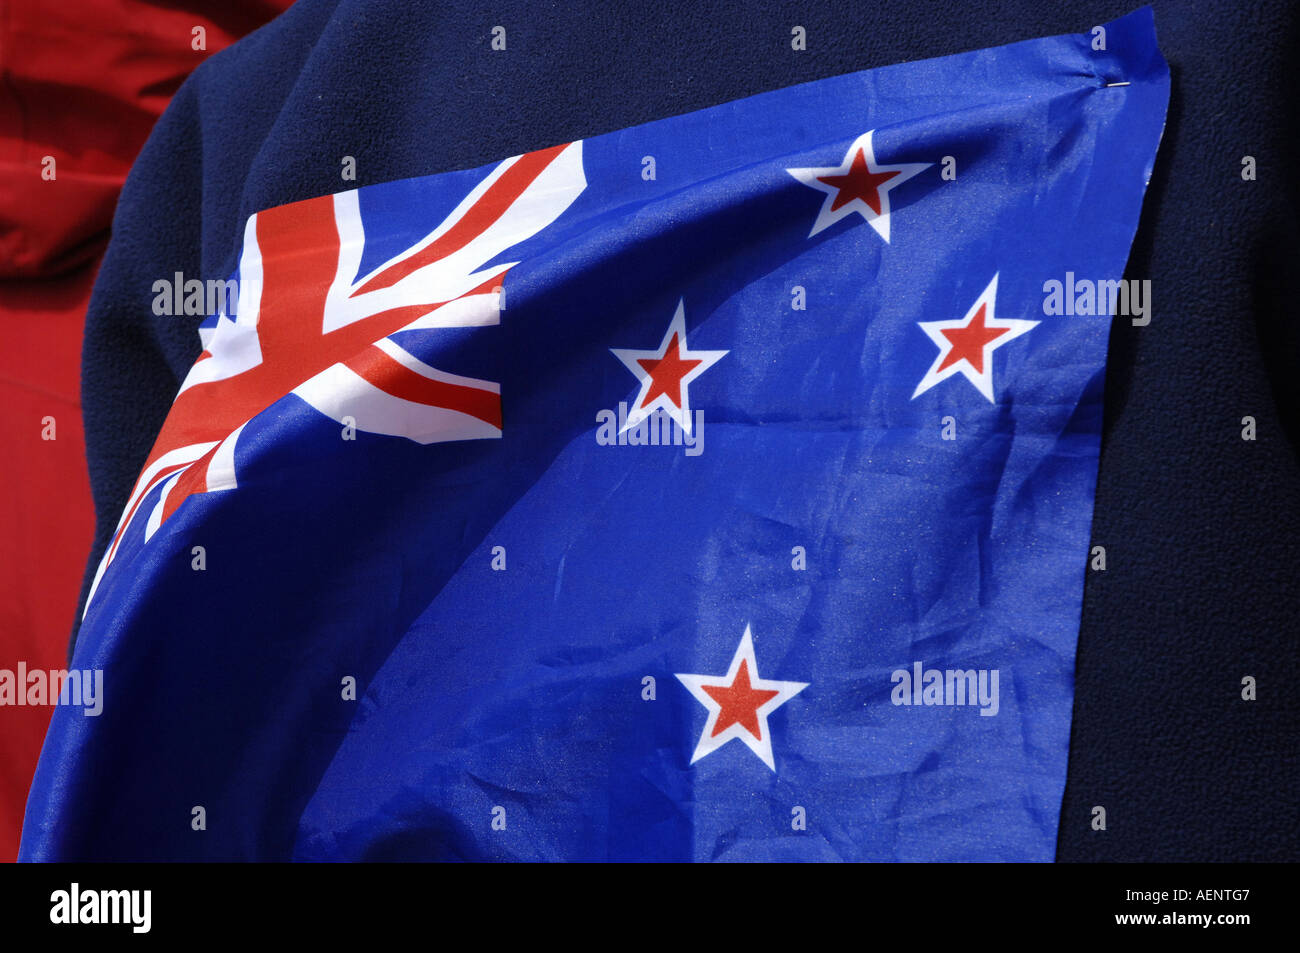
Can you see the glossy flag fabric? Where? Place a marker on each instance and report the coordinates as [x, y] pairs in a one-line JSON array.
[[716, 489]]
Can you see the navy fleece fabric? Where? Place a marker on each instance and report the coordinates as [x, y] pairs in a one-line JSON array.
[[1200, 527]]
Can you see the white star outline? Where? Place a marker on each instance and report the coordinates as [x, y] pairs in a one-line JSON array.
[[983, 382], [708, 743], [640, 411], [826, 218]]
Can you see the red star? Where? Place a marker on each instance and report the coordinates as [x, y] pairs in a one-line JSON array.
[[740, 703], [968, 342], [858, 183], [666, 373]]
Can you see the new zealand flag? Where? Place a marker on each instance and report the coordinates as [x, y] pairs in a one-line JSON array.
[[716, 489]]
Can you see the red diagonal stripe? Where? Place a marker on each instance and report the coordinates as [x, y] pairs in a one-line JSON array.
[[193, 480], [480, 217], [398, 380], [162, 475]]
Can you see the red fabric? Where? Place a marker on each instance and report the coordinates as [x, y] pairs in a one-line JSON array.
[[83, 82]]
